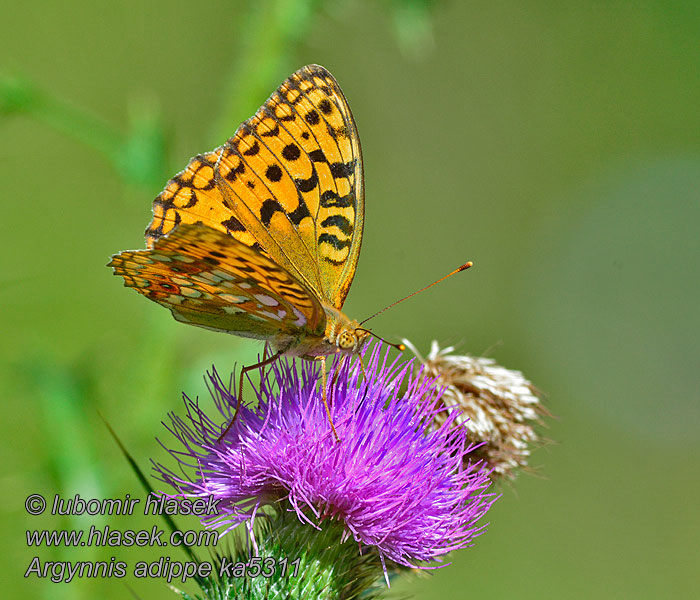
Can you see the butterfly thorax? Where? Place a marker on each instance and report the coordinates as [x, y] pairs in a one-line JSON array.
[[341, 336]]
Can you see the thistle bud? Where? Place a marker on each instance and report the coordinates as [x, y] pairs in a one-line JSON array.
[[498, 406]]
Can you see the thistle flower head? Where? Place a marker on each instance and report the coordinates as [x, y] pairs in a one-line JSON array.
[[394, 482], [498, 406]]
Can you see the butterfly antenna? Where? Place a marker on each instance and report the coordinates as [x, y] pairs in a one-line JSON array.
[[465, 266], [399, 347]]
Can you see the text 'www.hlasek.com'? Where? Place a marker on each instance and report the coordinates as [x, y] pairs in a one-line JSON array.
[[63, 571]]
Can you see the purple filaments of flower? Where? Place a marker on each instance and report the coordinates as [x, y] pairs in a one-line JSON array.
[[397, 484]]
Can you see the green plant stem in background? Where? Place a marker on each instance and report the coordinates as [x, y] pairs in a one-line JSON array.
[[413, 26], [63, 393], [269, 32], [138, 157], [20, 96]]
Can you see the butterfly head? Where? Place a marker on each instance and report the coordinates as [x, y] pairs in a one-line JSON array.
[[351, 338]]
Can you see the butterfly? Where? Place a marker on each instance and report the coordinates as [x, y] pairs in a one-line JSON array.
[[261, 237]]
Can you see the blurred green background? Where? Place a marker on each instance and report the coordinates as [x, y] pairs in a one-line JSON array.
[[557, 145]]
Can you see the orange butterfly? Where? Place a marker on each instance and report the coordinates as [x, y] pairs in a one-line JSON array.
[[261, 237]]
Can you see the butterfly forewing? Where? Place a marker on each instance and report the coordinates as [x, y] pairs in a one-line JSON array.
[[288, 184], [208, 278]]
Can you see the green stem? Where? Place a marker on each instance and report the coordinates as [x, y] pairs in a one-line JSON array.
[[138, 157], [18, 96], [271, 30]]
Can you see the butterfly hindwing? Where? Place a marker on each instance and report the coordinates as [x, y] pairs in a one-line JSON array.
[[288, 184], [208, 278]]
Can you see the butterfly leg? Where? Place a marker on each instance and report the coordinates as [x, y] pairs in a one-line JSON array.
[[244, 370], [335, 375], [323, 394], [362, 368]]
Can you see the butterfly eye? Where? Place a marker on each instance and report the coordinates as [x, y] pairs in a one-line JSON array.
[[346, 340]]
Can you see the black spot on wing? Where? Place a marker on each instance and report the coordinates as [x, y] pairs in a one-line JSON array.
[[275, 131], [269, 208], [199, 173], [192, 201], [291, 152], [340, 169], [253, 150], [273, 173], [338, 221], [333, 240], [166, 205], [233, 224], [306, 185], [331, 199], [298, 97], [234, 173], [312, 117], [300, 213], [317, 156]]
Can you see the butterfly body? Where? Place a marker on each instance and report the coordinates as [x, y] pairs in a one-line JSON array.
[[341, 338], [342, 335], [260, 237]]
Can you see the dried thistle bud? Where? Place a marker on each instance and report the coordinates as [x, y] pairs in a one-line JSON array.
[[499, 406]]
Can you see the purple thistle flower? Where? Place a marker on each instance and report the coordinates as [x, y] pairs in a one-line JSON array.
[[395, 483]]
